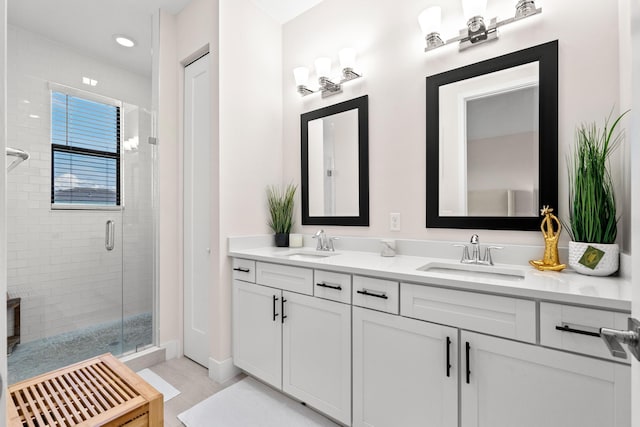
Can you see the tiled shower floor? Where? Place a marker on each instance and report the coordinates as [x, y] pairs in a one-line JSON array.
[[40, 356]]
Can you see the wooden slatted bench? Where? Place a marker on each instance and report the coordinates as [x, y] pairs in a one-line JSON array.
[[97, 392]]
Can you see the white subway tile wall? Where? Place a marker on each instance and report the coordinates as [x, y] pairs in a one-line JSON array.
[[57, 261]]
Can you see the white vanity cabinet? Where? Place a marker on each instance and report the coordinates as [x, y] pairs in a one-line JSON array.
[[516, 384], [405, 371], [374, 352], [295, 342], [257, 331], [316, 354], [507, 383]]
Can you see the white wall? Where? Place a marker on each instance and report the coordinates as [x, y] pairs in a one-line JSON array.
[[246, 136], [391, 57], [57, 262], [250, 136], [169, 253]]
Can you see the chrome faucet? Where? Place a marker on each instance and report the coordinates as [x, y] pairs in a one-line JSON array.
[[475, 258], [325, 243], [475, 249]]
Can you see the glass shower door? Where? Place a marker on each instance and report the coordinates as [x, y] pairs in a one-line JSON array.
[[138, 217]]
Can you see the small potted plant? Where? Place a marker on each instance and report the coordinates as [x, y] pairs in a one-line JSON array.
[[593, 222], [281, 212]]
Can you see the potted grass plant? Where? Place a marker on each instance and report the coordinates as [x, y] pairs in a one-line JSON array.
[[280, 202], [593, 221]]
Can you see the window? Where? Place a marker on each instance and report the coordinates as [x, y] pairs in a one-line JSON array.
[[85, 149]]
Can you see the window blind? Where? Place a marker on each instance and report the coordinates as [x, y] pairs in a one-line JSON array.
[[85, 141]]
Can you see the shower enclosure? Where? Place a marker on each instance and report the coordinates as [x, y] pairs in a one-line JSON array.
[[81, 235]]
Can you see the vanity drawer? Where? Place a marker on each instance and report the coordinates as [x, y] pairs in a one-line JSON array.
[[294, 279], [244, 269], [333, 286], [490, 314], [377, 294], [573, 321]]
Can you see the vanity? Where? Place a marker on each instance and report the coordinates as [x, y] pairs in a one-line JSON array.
[[419, 339]]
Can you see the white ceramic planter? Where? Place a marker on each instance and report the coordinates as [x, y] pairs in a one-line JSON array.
[[608, 263]]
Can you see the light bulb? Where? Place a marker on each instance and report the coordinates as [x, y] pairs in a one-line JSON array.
[[472, 8], [347, 58], [301, 74], [430, 20], [323, 67]]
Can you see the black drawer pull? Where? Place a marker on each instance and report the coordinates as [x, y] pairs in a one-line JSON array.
[[275, 298], [448, 357], [242, 270], [468, 349], [372, 294], [326, 285], [282, 310], [566, 328]]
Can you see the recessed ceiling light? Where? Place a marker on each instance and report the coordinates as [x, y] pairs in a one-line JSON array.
[[34, 116], [123, 40]]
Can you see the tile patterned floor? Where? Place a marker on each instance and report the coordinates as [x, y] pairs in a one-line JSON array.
[[193, 382]]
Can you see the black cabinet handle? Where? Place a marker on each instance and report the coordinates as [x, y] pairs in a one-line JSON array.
[[566, 328], [448, 357], [282, 310], [275, 298], [371, 294], [242, 270], [326, 285], [468, 348]]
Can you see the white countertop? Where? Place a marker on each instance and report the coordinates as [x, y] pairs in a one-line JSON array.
[[562, 287]]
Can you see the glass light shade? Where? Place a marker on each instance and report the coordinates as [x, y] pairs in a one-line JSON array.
[[347, 58], [323, 67], [430, 20], [301, 74], [472, 8]]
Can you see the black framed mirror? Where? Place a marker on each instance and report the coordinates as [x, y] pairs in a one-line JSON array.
[[492, 141], [335, 164]]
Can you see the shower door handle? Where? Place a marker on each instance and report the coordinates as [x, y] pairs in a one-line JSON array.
[[109, 235]]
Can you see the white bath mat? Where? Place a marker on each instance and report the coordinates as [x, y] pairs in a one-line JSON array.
[[251, 403], [167, 390]]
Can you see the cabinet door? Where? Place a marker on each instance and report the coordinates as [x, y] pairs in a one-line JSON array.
[[316, 355], [401, 373], [515, 384], [257, 331]]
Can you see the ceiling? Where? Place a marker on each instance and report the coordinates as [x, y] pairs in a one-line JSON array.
[[284, 10], [88, 26]]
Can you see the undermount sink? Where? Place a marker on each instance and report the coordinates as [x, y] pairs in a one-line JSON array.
[[306, 254], [475, 270]]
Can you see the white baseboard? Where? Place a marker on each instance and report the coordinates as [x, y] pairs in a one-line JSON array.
[[223, 371], [172, 348]]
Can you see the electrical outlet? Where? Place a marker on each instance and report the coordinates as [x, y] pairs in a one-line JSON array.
[[394, 221]]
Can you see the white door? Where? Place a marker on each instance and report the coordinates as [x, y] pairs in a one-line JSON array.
[[401, 373], [197, 210], [516, 384], [257, 331], [316, 353]]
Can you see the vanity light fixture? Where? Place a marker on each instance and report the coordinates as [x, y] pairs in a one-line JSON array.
[[327, 87], [477, 31]]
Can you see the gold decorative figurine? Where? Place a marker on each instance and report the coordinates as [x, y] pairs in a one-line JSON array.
[[551, 260]]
